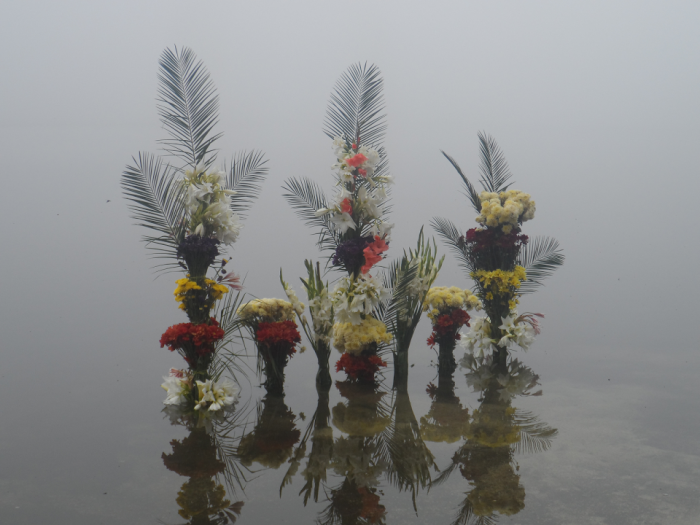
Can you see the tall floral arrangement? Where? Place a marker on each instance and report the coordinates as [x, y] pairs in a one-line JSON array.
[[502, 261], [409, 280], [318, 331], [272, 327], [353, 225], [194, 211]]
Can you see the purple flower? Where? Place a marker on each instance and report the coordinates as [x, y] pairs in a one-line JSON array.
[[349, 254]]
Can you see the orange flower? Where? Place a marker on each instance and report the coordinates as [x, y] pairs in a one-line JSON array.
[[356, 160], [346, 206], [373, 253]]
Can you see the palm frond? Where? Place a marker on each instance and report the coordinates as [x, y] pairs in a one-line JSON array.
[[454, 239], [245, 177], [188, 106], [535, 436], [156, 202], [306, 197], [540, 257], [466, 516], [356, 105], [493, 167], [472, 194]]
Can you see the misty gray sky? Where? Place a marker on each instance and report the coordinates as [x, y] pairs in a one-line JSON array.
[[594, 103]]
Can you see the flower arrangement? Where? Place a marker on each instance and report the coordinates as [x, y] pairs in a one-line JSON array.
[[503, 262], [358, 344], [353, 225], [447, 310], [318, 332], [193, 209], [270, 323]]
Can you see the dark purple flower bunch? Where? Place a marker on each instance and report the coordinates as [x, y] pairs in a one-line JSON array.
[[198, 253], [350, 254]]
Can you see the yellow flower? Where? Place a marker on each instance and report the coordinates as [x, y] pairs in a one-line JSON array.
[[354, 338]]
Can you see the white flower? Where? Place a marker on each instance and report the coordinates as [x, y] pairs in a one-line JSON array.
[[176, 388], [351, 299], [478, 339], [339, 147], [519, 330], [214, 396], [292, 296], [343, 222]]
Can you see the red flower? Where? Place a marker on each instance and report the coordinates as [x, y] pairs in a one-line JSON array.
[[359, 367], [281, 336], [446, 327], [372, 253], [356, 160], [346, 206], [200, 337], [362, 172]]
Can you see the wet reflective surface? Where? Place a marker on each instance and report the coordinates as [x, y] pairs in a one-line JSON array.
[[549, 438]]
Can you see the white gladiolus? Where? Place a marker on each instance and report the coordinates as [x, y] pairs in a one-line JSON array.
[[214, 396], [478, 339]]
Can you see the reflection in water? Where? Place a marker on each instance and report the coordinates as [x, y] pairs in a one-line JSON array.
[[381, 441], [496, 432], [205, 456], [273, 438]]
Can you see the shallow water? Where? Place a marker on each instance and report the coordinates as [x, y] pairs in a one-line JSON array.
[[614, 442]]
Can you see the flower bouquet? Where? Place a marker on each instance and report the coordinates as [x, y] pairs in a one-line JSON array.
[[447, 310], [272, 327], [503, 262], [353, 225], [194, 210]]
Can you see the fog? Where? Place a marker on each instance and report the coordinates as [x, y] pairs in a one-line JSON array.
[[594, 104]]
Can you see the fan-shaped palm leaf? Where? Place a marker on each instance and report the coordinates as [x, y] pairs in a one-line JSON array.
[[356, 105], [455, 240], [540, 257], [156, 203], [493, 167], [245, 177], [188, 106], [306, 197]]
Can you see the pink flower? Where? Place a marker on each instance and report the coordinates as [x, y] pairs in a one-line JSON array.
[[356, 160], [362, 172], [346, 206]]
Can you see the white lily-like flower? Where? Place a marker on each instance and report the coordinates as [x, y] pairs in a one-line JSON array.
[[478, 339], [343, 221], [321, 211], [214, 396], [177, 389]]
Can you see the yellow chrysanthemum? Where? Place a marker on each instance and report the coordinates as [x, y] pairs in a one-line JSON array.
[[354, 338], [267, 310], [441, 299]]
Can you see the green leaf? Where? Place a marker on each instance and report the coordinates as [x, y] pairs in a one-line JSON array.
[[245, 177], [188, 106], [493, 167], [472, 194], [540, 257], [356, 105], [156, 202], [306, 197], [454, 239]]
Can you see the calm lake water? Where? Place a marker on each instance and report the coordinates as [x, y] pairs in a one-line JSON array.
[[610, 439]]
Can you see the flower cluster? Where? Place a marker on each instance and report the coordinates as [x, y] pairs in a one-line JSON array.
[[177, 384], [359, 367], [441, 299], [280, 336], [446, 327], [359, 254], [356, 338], [266, 310], [199, 253], [362, 190], [354, 298], [520, 330], [506, 209], [215, 395], [197, 297], [199, 338], [478, 341], [208, 205], [500, 285]]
